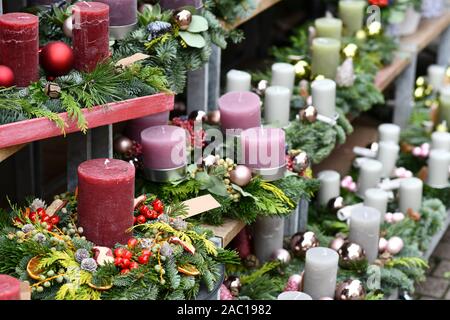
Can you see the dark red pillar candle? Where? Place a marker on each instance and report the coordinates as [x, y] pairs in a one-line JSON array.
[[9, 287], [105, 200], [90, 34], [19, 46]]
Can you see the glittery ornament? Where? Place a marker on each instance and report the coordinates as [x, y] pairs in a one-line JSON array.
[[294, 283], [157, 29], [308, 114], [241, 175], [345, 74], [350, 290], [282, 255], [122, 145], [183, 19], [352, 256], [233, 284], [302, 242], [301, 162]]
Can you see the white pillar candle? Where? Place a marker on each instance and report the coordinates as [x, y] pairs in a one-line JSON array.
[[388, 154], [440, 140], [436, 75], [365, 230], [376, 198], [324, 97], [444, 104], [389, 132], [410, 194], [438, 164], [321, 266], [277, 103], [369, 175], [330, 185], [238, 81], [293, 295], [267, 236], [283, 74]]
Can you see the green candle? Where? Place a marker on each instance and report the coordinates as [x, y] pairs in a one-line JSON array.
[[352, 14], [444, 104], [329, 28], [325, 57]]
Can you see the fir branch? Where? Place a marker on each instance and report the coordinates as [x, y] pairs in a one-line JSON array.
[[267, 267]]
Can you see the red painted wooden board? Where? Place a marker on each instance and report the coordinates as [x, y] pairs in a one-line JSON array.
[[41, 128]]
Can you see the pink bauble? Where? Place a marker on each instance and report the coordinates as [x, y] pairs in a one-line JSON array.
[[382, 245], [326, 298], [394, 245], [337, 243], [241, 175], [397, 217], [388, 217]]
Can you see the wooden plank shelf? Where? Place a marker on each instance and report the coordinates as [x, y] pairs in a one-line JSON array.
[[227, 231], [389, 73], [262, 5], [8, 152], [26, 131]]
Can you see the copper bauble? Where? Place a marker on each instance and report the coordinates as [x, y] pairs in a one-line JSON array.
[[301, 162], [241, 175], [282, 255], [122, 145], [183, 19], [68, 27], [302, 242], [350, 290], [336, 204], [6, 76], [56, 58], [337, 243], [233, 284], [394, 245], [352, 256], [213, 117], [308, 114], [261, 87], [53, 90], [251, 262], [197, 115]]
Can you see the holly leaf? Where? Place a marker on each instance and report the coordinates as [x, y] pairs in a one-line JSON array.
[[198, 24], [192, 39]]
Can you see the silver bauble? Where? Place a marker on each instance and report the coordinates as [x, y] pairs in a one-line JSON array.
[[68, 27], [301, 162], [350, 290], [309, 114], [282, 255]]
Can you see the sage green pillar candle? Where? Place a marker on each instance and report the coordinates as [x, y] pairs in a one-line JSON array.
[[325, 57], [444, 104], [329, 28], [352, 15]]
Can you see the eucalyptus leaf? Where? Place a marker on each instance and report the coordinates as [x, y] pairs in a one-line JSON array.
[[198, 24], [192, 39], [218, 187], [204, 179], [242, 192]]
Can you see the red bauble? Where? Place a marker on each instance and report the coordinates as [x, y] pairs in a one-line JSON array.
[[56, 58], [6, 76]]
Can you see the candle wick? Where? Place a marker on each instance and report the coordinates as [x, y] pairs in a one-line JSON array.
[[107, 162], [87, 3]]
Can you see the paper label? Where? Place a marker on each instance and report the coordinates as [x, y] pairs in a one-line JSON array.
[[200, 204], [128, 61]]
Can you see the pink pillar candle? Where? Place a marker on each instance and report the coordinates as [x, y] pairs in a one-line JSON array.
[[240, 110], [164, 147], [90, 34], [121, 12], [176, 4], [19, 46], [106, 200], [9, 287], [136, 126], [263, 148]]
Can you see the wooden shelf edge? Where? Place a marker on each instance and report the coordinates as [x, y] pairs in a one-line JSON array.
[[389, 73], [26, 131], [227, 231], [262, 6], [5, 153]]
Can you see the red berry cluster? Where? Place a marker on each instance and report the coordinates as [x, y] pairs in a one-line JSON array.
[[125, 258], [198, 138], [380, 3], [147, 213], [40, 216]]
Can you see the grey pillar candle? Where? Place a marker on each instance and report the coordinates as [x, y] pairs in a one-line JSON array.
[[389, 132], [438, 164], [440, 140], [369, 175], [321, 265], [267, 236], [293, 295], [388, 154], [365, 230], [376, 198], [238, 81], [330, 185], [410, 194], [277, 104], [283, 74], [324, 97]]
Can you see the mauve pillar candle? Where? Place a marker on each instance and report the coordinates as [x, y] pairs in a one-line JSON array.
[[240, 110], [9, 287], [136, 126], [106, 200], [176, 4]]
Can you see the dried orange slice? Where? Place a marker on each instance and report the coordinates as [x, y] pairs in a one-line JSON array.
[[100, 288], [33, 269], [188, 270]]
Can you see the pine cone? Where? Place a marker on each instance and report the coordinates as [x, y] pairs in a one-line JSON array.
[[251, 262], [81, 254], [89, 265], [166, 249], [28, 228]]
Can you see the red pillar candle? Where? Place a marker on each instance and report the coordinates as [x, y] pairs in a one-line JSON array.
[[105, 200], [90, 34], [9, 288], [19, 46]]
